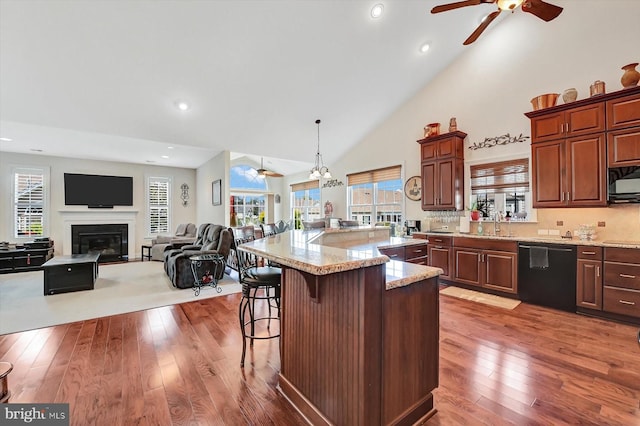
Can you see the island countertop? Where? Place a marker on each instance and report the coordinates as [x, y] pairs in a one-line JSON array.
[[323, 252]]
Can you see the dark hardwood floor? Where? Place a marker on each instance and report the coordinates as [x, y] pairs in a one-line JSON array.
[[180, 365]]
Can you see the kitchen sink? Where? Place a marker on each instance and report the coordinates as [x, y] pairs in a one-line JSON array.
[[440, 232]]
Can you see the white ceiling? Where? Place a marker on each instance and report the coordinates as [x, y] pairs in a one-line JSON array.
[[99, 79]]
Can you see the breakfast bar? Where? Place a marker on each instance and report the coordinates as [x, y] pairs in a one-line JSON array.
[[359, 333]]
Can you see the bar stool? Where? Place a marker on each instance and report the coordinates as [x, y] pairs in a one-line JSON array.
[[259, 283]]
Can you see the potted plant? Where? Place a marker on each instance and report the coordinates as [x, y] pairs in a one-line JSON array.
[[475, 213]]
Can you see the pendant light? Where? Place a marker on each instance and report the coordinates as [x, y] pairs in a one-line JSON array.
[[319, 170]]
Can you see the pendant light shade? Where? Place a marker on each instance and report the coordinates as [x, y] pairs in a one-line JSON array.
[[319, 169]]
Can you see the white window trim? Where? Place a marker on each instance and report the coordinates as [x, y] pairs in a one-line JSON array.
[[46, 205], [148, 181]]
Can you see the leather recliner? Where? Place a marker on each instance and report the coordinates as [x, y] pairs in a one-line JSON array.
[[171, 250], [217, 240]]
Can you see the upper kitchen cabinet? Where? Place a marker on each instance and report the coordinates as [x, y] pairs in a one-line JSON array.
[[442, 165], [572, 145], [623, 142]]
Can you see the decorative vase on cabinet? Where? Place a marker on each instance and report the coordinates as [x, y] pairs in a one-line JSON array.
[[631, 76], [569, 95]]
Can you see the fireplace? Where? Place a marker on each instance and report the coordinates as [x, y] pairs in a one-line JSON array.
[[111, 241]]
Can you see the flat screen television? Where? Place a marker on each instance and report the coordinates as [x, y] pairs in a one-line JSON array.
[[97, 191]]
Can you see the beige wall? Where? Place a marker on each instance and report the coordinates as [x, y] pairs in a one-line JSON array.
[[489, 88], [58, 166]]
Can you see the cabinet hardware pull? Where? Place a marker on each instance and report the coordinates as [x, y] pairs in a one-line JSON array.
[[438, 247], [597, 271], [562, 196], [561, 127], [568, 196], [568, 127], [626, 302], [588, 252], [392, 255], [627, 276]]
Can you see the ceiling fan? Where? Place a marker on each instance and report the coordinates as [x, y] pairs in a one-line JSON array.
[[539, 8], [264, 172]]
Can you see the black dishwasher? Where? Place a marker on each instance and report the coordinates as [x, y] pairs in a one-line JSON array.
[[547, 275]]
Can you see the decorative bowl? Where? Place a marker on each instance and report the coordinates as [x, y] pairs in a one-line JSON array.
[[544, 101]]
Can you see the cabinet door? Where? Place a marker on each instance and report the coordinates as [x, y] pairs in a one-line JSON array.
[[623, 112], [439, 257], [548, 163], [500, 271], [429, 151], [429, 185], [467, 266], [584, 120], [446, 148], [445, 193], [589, 284], [586, 177], [623, 147], [547, 127]]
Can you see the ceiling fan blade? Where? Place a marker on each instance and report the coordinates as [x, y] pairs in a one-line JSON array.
[[272, 174], [541, 9], [457, 5], [483, 26]]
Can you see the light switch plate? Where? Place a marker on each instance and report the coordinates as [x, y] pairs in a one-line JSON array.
[[543, 232], [554, 232]]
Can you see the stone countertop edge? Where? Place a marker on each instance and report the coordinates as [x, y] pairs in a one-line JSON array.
[[540, 239], [328, 260]]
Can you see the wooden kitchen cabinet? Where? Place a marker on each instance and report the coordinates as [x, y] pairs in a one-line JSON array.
[[494, 267], [621, 291], [561, 124], [439, 254], [569, 173], [589, 278], [414, 253], [442, 165]]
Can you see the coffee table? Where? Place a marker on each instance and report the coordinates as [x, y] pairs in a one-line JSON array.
[[75, 272]]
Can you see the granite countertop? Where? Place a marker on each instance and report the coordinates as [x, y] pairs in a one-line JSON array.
[[541, 239], [302, 250]]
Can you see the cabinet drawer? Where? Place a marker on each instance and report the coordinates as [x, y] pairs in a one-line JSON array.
[[623, 112], [624, 255], [29, 260], [486, 244], [623, 147], [411, 252], [394, 253], [622, 301], [624, 275], [589, 252], [439, 240], [418, 260]]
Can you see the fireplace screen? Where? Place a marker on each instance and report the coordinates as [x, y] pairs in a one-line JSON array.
[[110, 241]]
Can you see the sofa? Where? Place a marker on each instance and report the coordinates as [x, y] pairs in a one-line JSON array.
[[185, 234], [217, 239]]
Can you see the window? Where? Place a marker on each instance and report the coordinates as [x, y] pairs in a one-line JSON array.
[[248, 200], [28, 202], [376, 194], [159, 205], [305, 202], [501, 187]]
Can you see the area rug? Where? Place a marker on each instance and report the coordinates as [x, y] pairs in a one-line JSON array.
[[120, 288], [475, 296]]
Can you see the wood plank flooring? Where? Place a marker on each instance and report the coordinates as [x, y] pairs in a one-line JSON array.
[[179, 365]]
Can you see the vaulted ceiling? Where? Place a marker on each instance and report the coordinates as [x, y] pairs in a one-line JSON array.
[[101, 79]]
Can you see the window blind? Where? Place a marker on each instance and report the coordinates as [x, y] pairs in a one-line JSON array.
[[501, 177], [159, 205], [372, 176], [312, 184], [28, 203]]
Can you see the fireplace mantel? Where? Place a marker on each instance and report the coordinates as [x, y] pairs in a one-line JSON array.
[[98, 216]]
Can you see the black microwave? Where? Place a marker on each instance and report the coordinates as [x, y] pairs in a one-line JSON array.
[[624, 184]]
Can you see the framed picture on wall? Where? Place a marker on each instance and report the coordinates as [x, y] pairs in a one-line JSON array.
[[216, 192]]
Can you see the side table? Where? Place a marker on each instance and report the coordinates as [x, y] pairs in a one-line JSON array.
[[205, 268], [146, 252]]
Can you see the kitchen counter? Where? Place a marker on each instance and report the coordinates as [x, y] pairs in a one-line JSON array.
[[322, 252], [542, 239]]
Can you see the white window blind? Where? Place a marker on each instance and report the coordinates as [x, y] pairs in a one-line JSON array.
[[29, 196], [505, 177], [159, 205]]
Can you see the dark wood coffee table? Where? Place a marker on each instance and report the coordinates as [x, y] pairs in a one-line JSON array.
[[76, 272]]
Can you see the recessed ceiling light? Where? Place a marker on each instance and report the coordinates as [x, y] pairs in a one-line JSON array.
[[169, 147], [424, 47], [6, 139], [376, 11], [150, 161], [164, 156], [182, 106]]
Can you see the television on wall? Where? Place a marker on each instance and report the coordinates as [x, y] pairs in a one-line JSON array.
[[97, 191]]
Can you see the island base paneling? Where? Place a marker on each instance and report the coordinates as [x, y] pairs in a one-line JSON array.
[[354, 353]]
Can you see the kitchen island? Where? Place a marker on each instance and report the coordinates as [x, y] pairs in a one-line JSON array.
[[359, 333]]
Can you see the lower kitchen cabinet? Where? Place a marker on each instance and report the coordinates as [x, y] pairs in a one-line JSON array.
[[589, 278], [621, 291], [414, 253], [492, 269], [439, 255]]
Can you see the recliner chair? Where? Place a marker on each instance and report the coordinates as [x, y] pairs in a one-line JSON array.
[[185, 234], [217, 240], [172, 250]]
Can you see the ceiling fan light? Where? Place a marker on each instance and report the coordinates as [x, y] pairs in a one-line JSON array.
[[509, 4], [327, 175]]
